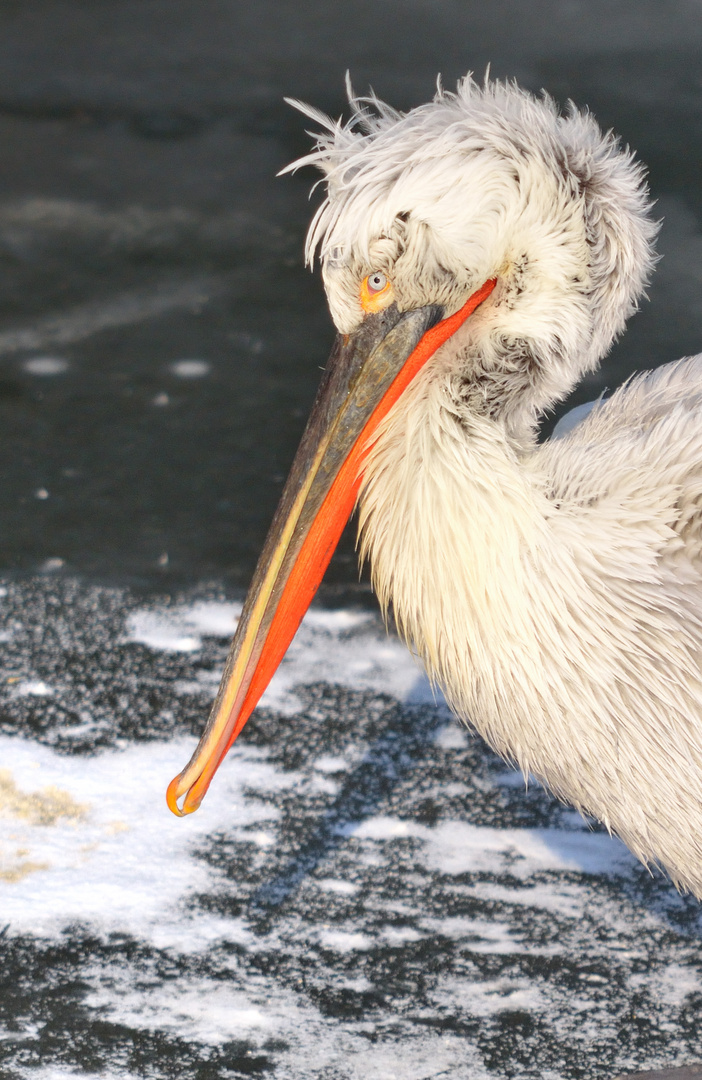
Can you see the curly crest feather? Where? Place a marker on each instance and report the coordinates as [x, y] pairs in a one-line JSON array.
[[489, 181]]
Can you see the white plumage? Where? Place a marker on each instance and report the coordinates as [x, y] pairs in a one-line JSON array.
[[554, 592]]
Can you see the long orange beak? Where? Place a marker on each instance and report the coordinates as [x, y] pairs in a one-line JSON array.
[[366, 374]]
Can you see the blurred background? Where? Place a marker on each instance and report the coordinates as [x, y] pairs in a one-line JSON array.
[[160, 339]]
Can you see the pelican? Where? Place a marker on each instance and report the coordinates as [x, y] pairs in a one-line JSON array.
[[480, 254]]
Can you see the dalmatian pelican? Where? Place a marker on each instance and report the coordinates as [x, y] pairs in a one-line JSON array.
[[480, 254]]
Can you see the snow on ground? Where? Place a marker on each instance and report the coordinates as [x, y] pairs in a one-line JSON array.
[[366, 892], [91, 839], [346, 648]]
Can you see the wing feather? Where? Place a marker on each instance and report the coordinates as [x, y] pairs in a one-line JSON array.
[[641, 449]]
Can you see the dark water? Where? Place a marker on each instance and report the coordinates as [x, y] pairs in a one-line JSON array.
[[140, 147], [141, 227]]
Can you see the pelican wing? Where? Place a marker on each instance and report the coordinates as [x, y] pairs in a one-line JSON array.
[[641, 450]]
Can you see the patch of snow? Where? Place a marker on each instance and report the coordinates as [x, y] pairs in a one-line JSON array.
[[160, 632], [344, 648], [333, 885], [46, 365], [182, 629], [213, 617], [345, 941], [386, 828], [190, 369], [479, 935], [457, 847], [330, 764], [397, 936], [59, 1072], [125, 862], [567, 901], [672, 986], [215, 1013], [32, 688], [490, 997], [211, 1012], [452, 737], [259, 837]]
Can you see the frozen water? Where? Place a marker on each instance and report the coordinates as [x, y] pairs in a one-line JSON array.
[[365, 892], [346, 648], [112, 855]]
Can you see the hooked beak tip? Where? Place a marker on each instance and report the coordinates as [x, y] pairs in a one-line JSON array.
[[174, 792]]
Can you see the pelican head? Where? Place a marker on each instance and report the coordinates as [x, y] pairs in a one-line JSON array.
[[489, 182], [480, 253]]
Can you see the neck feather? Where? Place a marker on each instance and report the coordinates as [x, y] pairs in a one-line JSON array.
[[452, 523], [534, 627]]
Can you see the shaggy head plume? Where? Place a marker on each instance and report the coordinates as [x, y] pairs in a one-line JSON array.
[[488, 181]]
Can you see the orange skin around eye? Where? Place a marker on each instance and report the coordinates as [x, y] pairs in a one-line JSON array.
[[375, 299]]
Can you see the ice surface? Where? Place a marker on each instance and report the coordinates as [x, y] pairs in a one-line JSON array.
[[456, 847], [182, 629], [347, 648], [57, 1072], [124, 863], [364, 893]]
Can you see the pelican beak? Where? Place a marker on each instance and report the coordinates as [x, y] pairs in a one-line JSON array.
[[366, 374]]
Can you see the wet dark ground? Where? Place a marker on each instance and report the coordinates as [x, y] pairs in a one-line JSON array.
[[141, 227]]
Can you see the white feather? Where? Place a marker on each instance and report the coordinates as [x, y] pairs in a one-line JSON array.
[[555, 591]]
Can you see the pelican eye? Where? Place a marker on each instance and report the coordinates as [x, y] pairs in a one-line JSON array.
[[376, 292], [376, 282]]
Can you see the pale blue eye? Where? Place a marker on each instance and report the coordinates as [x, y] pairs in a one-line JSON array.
[[377, 282]]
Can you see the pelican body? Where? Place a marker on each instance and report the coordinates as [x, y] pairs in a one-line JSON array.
[[480, 254]]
